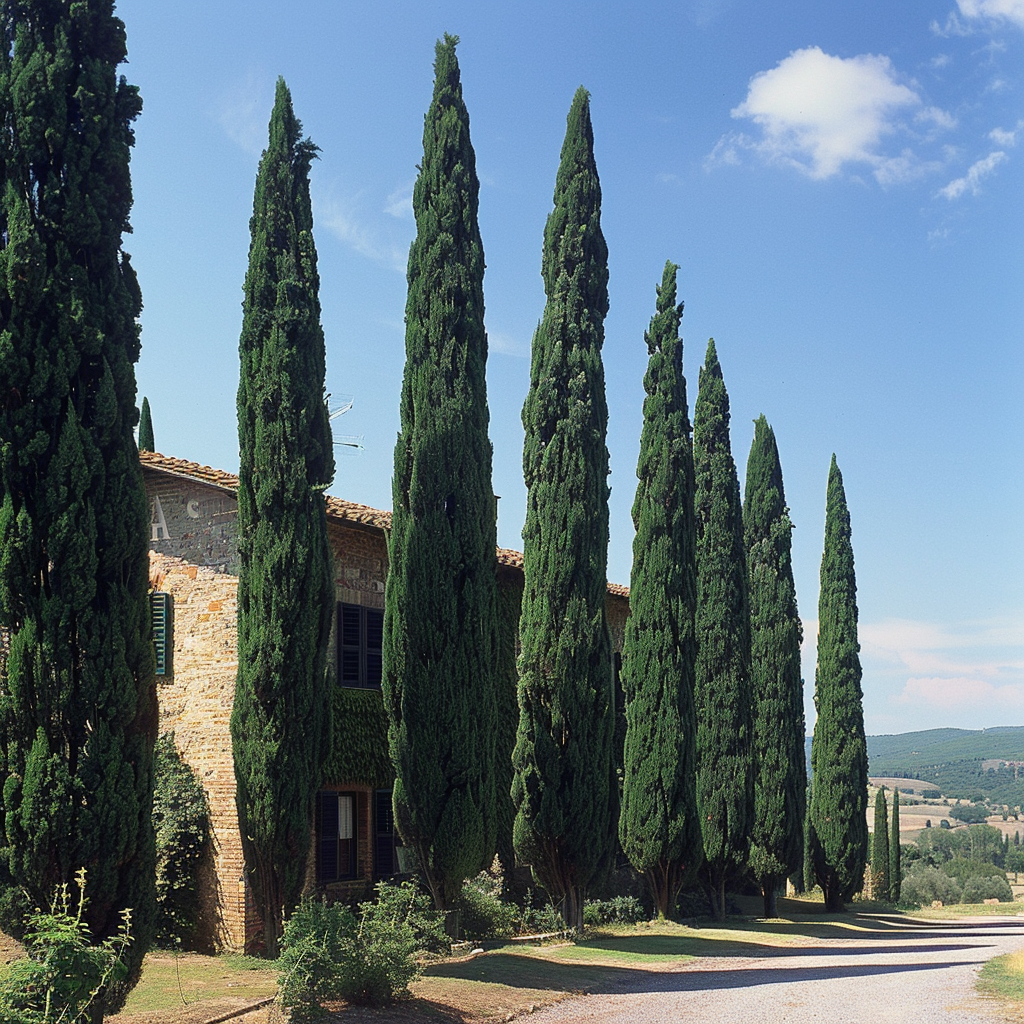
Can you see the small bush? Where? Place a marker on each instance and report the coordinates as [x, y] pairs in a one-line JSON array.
[[484, 915], [924, 885], [618, 910], [63, 974], [962, 868], [329, 955], [987, 887]]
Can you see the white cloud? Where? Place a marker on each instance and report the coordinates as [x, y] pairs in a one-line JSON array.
[[243, 111], [936, 116], [996, 10], [971, 181], [341, 218], [1004, 137], [508, 345], [399, 203], [818, 112]]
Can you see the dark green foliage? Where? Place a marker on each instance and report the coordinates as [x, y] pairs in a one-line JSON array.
[[975, 842], [839, 759], [146, 443], [725, 778], [77, 698], [441, 638], [565, 801], [880, 849], [658, 824], [780, 780], [482, 912], [280, 721], [359, 741], [971, 814], [895, 861], [510, 604], [181, 821]]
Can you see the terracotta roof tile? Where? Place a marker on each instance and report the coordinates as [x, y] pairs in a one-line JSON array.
[[337, 508]]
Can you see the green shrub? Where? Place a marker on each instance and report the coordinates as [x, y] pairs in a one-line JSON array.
[[63, 974], [618, 910], [969, 813], [987, 887], [926, 884], [328, 955], [181, 821], [931, 794], [962, 868], [484, 915]]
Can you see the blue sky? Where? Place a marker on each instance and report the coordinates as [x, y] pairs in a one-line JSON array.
[[841, 184]]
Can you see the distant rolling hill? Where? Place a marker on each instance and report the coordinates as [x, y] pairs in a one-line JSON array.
[[953, 759]]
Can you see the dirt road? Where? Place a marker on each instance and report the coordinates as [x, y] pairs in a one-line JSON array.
[[907, 973]]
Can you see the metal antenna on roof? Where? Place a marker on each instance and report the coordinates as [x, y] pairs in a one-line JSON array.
[[344, 404]]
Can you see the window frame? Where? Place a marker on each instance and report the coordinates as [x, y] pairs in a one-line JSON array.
[[368, 659], [334, 843]]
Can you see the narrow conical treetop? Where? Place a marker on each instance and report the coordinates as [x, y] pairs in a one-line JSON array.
[[77, 696], [441, 649], [146, 443], [566, 804], [780, 779], [839, 757], [658, 824], [880, 848], [725, 781], [280, 725], [895, 865]]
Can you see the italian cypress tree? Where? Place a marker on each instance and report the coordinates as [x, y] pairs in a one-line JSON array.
[[441, 617], [895, 864], [280, 722], [146, 443], [510, 606], [839, 757], [780, 776], [658, 824], [77, 697], [880, 849], [565, 800], [725, 782]]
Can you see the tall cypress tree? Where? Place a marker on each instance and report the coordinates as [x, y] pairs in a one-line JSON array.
[[565, 800], [441, 616], [77, 699], [880, 848], [146, 442], [895, 864], [725, 783], [280, 722], [658, 824], [839, 753], [780, 779]]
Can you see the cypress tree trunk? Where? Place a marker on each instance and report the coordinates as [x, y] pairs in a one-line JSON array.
[[146, 443], [565, 801], [895, 864], [780, 779], [658, 825], [880, 849], [725, 784], [77, 696], [280, 722], [839, 759], [441, 639]]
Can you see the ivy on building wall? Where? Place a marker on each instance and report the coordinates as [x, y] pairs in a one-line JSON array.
[[359, 747]]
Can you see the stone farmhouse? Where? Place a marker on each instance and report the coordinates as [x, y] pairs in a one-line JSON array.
[[193, 579]]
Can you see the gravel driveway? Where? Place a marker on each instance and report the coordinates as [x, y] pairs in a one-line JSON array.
[[917, 973]]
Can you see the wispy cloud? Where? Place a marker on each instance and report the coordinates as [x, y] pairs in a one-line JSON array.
[[344, 218], [508, 344], [971, 181], [243, 111], [996, 10], [819, 113], [399, 203], [949, 667], [1006, 137]]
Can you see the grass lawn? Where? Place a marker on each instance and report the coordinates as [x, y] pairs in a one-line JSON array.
[[1003, 979]]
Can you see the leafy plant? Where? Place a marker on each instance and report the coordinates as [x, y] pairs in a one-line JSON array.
[[64, 974], [483, 913], [329, 955], [927, 884], [618, 910], [987, 887], [181, 821]]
